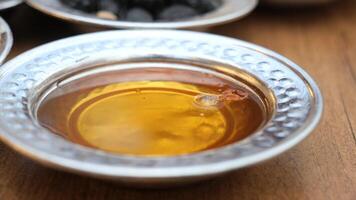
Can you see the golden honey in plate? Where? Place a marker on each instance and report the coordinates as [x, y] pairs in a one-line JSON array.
[[152, 112]]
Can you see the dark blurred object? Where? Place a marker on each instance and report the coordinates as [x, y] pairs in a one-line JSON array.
[[296, 2], [27, 26]]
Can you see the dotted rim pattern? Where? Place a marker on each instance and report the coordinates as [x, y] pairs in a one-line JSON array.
[[298, 103]]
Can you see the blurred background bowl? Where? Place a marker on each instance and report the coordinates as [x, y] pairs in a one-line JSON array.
[[230, 10], [6, 40]]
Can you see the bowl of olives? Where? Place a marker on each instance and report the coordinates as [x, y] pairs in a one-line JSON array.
[[147, 14]]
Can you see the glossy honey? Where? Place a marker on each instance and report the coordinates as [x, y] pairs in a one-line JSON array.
[[152, 112]]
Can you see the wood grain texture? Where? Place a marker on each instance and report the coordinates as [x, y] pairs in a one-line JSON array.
[[321, 39]]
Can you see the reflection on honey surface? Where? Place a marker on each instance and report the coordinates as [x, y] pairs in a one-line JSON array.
[[152, 112]]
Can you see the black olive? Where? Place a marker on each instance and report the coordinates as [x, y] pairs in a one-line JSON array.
[[149, 4], [176, 12], [202, 5], [84, 5], [139, 15]]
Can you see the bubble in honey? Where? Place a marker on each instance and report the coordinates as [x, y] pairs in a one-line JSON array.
[[207, 101], [210, 101]]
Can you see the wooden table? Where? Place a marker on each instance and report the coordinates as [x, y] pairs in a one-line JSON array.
[[321, 39]]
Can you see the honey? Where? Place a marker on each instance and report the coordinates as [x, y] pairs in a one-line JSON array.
[[152, 112]]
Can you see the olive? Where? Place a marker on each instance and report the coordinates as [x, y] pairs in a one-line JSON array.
[[138, 15], [177, 12]]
